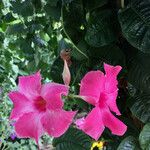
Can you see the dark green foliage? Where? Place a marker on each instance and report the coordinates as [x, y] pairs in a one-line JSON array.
[[134, 143], [100, 32], [129, 143], [141, 107], [56, 70], [91, 5], [18, 28], [24, 8], [135, 23], [53, 9], [73, 139], [144, 137], [139, 72]]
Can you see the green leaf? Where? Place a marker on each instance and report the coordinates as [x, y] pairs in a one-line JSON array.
[[39, 41], [73, 139], [53, 2], [24, 8], [100, 31], [135, 24], [144, 137], [8, 17], [53, 11], [18, 28], [1, 37], [72, 24], [110, 54], [129, 143], [141, 107], [25, 47], [139, 72], [37, 4], [83, 47], [91, 5], [67, 1], [56, 70]]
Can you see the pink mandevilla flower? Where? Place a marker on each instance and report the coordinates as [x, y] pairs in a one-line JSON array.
[[39, 108], [101, 91]]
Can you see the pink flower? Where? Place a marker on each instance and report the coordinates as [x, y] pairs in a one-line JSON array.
[[39, 108], [101, 91]]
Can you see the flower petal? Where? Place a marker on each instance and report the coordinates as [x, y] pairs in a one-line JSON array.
[[91, 86], [111, 102], [115, 125], [29, 126], [57, 122], [111, 77], [21, 105], [51, 92], [92, 124], [111, 89], [30, 86]]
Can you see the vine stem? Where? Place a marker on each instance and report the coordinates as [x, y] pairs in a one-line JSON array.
[[69, 37], [122, 3]]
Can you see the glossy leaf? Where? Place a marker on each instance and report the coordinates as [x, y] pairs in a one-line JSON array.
[[134, 20], [141, 107], [129, 143], [73, 139], [24, 8], [91, 5], [110, 54], [139, 72], [100, 31], [144, 137]]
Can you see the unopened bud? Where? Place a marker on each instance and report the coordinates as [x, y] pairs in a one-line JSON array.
[[66, 74]]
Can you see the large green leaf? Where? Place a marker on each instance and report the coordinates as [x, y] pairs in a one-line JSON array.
[[110, 54], [83, 47], [91, 5], [18, 28], [53, 9], [139, 72], [24, 8], [144, 137], [56, 70], [129, 143], [8, 17], [37, 5], [73, 139], [100, 31], [141, 107], [73, 19], [67, 1], [135, 24], [53, 2]]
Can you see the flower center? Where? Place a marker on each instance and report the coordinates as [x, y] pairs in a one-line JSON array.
[[40, 104], [97, 145]]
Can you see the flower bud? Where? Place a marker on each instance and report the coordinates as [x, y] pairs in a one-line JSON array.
[[66, 74]]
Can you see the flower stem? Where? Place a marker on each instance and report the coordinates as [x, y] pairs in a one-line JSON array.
[[69, 37], [122, 3]]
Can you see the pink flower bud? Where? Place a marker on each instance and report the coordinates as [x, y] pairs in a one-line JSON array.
[[66, 74]]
